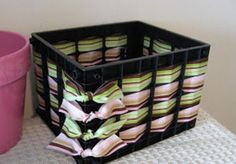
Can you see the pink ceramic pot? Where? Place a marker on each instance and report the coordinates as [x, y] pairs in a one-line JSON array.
[[14, 64]]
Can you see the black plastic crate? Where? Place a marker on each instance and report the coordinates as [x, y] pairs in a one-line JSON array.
[[169, 70]]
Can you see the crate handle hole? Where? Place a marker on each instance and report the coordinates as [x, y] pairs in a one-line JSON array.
[[74, 74], [97, 76]]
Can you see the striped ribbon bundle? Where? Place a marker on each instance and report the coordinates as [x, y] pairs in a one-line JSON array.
[[67, 47], [39, 79], [53, 91], [115, 44], [165, 97], [159, 46], [90, 51], [192, 89]]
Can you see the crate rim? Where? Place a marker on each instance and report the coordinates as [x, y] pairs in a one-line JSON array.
[[36, 35]]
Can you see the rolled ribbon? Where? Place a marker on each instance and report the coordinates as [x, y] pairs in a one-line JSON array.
[[67, 47], [53, 101], [90, 51], [161, 46], [166, 92], [52, 85], [115, 44], [188, 114], [135, 117], [163, 108], [55, 120], [37, 58], [38, 71], [168, 74], [90, 58], [190, 99], [105, 93], [146, 45], [161, 124], [41, 102], [133, 134], [52, 69], [196, 67], [194, 84], [136, 82], [39, 87], [136, 100]]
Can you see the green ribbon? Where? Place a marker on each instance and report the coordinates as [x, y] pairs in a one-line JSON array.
[[134, 117], [71, 128], [195, 69], [107, 129], [105, 93]]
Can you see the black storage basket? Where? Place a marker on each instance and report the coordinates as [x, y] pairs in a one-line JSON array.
[[146, 50]]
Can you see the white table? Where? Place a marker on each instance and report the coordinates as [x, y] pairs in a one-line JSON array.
[[208, 142]]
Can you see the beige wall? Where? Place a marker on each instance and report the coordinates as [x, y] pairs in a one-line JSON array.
[[213, 21]]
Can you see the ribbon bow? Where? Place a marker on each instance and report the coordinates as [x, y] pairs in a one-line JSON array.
[[105, 93], [72, 146], [67, 141], [73, 110], [72, 130]]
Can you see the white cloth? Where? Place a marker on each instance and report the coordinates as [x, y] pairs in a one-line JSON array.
[[208, 142]]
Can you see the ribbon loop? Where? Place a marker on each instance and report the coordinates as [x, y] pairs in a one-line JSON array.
[[105, 93]]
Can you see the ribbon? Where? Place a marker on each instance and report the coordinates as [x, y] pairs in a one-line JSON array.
[[114, 107], [52, 69], [55, 120], [196, 67], [107, 129], [166, 92], [52, 85], [41, 102], [161, 46], [136, 82], [136, 100], [74, 110], [161, 124], [90, 44], [188, 114], [190, 99], [105, 93], [135, 117], [132, 135], [72, 147], [164, 107], [66, 47], [90, 58], [37, 58], [72, 130], [38, 71], [116, 40], [194, 84], [168, 74], [53, 101]]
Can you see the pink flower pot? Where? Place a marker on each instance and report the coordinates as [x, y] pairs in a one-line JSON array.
[[14, 64]]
